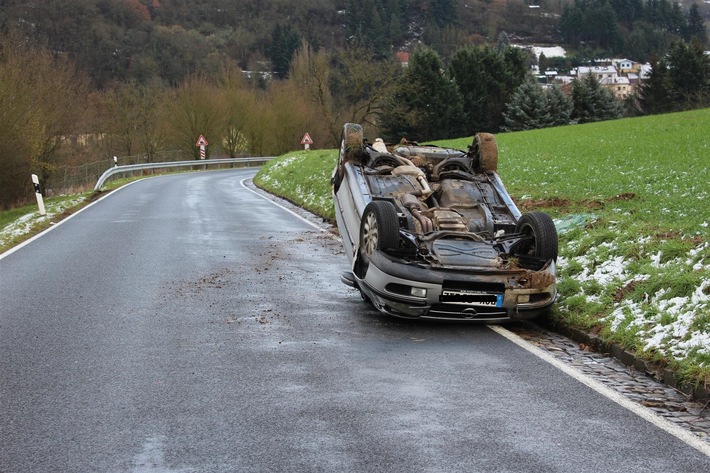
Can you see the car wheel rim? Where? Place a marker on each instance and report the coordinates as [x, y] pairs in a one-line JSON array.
[[370, 234], [532, 248]]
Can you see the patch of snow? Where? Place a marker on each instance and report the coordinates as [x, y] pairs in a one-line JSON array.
[[24, 224]]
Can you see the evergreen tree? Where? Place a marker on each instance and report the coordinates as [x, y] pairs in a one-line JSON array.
[[593, 102], [591, 21], [426, 104], [656, 93], [695, 27], [532, 107], [689, 73], [560, 106], [628, 11], [284, 44], [487, 78], [443, 12], [528, 108]]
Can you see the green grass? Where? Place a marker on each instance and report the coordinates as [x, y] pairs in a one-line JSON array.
[[303, 177], [637, 269], [661, 163]]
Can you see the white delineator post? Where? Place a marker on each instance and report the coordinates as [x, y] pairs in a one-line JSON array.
[[38, 194]]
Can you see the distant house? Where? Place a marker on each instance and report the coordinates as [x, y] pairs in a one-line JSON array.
[[620, 86], [403, 57], [599, 72], [626, 66]]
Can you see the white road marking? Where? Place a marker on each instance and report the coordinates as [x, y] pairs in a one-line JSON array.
[[279, 205], [639, 410]]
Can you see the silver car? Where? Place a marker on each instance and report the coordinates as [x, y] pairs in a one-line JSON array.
[[432, 233]]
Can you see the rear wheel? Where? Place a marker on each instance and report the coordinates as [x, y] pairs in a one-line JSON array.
[[540, 229], [352, 147], [485, 146], [352, 140]]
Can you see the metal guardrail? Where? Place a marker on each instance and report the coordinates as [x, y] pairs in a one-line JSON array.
[[200, 162]]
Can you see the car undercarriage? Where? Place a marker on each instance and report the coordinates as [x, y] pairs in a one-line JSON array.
[[432, 232]]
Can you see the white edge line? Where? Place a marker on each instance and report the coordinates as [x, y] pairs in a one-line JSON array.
[[280, 206], [615, 396], [44, 232]]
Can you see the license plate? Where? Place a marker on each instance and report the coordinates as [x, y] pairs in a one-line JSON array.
[[472, 298]]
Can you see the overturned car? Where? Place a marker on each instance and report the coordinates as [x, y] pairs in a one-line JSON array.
[[432, 233]]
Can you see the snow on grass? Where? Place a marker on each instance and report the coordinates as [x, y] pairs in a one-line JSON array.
[[24, 224], [303, 177], [673, 320]]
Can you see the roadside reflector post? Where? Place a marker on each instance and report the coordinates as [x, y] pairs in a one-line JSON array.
[[115, 161], [38, 194]]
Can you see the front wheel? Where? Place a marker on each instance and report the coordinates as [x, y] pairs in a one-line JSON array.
[[540, 229], [379, 228]]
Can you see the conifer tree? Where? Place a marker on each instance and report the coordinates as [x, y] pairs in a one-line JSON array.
[[593, 102], [531, 107], [695, 28], [689, 73], [487, 78], [656, 93], [426, 104], [560, 106], [528, 108]]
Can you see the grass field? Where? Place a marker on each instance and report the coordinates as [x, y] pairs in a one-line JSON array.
[[635, 263]]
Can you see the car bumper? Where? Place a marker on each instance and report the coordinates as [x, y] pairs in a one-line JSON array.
[[410, 291]]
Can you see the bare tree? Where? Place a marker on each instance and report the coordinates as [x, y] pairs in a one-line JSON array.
[[361, 85], [311, 72], [238, 103], [194, 110], [40, 109]]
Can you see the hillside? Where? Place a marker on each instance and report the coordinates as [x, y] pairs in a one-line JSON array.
[[120, 40]]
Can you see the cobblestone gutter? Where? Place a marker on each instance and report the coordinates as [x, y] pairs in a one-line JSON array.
[[630, 377]]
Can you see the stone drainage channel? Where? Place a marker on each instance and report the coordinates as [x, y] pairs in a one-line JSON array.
[[636, 385]]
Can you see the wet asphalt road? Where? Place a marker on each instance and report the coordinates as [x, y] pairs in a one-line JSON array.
[[185, 324]]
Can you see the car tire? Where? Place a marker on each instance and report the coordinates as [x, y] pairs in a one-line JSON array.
[[383, 159], [486, 148], [541, 228], [352, 148], [352, 140], [379, 228]]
